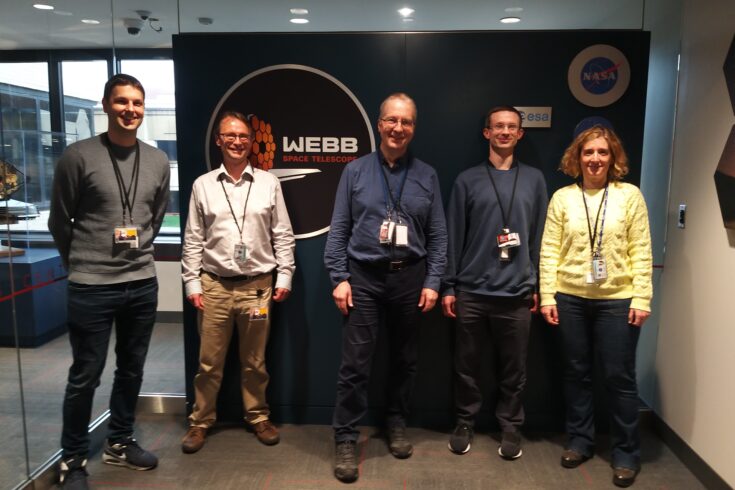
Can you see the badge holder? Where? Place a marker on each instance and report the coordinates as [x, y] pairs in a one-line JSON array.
[[259, 312], [241, 253], [506, 241]]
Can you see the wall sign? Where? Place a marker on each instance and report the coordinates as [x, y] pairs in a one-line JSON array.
[[308, 125], [599, 75]]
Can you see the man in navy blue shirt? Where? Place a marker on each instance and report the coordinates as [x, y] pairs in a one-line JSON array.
[[385, 254], [496, 217]]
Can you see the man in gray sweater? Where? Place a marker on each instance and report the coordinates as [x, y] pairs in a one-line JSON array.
[[109, 198]]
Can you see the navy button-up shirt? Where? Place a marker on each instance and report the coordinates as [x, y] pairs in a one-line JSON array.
[[361, 206]]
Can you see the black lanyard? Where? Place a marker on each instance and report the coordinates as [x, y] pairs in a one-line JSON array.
[[387, 191], [240, 227], [593, 235], [125, 202], [497, 195]]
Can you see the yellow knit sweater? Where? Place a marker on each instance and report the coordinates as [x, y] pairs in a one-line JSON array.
[[626, 246]]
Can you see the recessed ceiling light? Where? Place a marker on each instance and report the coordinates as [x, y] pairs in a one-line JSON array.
[[42, 6], [407, 19], [299, 11], [406, 11], [514, 10], [90, 21], [510, 20], [299, 20], [63, 13]]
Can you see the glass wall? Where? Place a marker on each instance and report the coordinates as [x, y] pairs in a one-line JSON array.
[[49, 100]]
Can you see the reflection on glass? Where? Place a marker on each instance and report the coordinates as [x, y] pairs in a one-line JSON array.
[[83, 83], [159, 125]]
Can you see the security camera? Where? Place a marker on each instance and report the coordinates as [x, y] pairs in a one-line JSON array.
[[143, 14], [133, 26]]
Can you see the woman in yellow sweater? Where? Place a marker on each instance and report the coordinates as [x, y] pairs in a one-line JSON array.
[[595, 281]]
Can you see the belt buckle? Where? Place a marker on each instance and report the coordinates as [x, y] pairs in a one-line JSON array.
[[396, 265]]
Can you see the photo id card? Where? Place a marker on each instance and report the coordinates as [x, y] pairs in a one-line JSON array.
[[385, 236], [401, 235], [241, 253], [508, 240], [599, 269], [259, 313], [127, 235]]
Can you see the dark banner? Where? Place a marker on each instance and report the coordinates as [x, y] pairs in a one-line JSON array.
[[315, 100]]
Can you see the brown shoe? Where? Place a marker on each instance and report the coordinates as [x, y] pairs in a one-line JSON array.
[[194, 439], [571, 458], [624, 477], [266, 433]]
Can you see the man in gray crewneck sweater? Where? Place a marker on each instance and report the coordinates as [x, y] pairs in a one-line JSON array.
[[109, 198]]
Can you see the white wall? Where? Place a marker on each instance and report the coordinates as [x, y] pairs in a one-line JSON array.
[[695, 358]]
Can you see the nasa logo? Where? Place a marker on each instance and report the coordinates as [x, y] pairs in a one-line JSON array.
[[304, 137], [599, 75]]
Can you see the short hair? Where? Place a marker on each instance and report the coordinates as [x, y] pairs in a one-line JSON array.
[[235, 115], [121, 79], [401, 96], [570, 162], [503, 108]]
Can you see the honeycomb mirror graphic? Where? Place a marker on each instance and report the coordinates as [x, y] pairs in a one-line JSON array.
[[725, 173], [308, 126]]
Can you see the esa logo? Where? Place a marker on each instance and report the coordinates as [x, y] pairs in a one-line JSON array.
[[535, 117], [599, 75]]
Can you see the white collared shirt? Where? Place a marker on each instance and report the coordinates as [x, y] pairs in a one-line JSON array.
[[212, 233]]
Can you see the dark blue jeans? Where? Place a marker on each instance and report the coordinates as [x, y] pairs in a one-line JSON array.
[[589, 328], [380, 297], [91, 312]]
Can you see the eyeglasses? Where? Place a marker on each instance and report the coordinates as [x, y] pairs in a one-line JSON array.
[[393, 121], [231, 137], [512, 128]]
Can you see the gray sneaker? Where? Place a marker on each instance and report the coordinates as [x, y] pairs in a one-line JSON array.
[[73, 474], [510, 446], [461, 439], [129, 454], [398, 444], [345, 462]]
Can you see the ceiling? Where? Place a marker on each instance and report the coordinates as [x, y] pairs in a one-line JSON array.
[[24, 27]]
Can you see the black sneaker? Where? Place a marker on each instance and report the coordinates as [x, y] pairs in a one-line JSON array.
[[129, 454], [398, 444], [73, 474], [461, 439], [510, 446], [345, 462]]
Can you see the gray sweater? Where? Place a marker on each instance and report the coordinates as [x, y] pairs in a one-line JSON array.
[[86, 208]]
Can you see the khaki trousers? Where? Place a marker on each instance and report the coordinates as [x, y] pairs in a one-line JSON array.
[[227, 304]]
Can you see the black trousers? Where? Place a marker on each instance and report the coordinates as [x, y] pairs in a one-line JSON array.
[[380, 296], [506, 322]]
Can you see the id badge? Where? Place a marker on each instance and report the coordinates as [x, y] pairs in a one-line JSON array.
[[599, 269], [241, 253], [589, 278], [506, 239], [259, 313], [127, 235], [401, 235], [385, 236]]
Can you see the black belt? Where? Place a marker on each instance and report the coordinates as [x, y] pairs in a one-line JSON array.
[[232, 278], [390, 265]]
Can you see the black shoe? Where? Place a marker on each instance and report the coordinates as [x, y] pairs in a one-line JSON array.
[[345, 462], [129, 454], [73, 474], [571, 458], [510, 446], [461, 439], [398, 444], [624, 477]]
